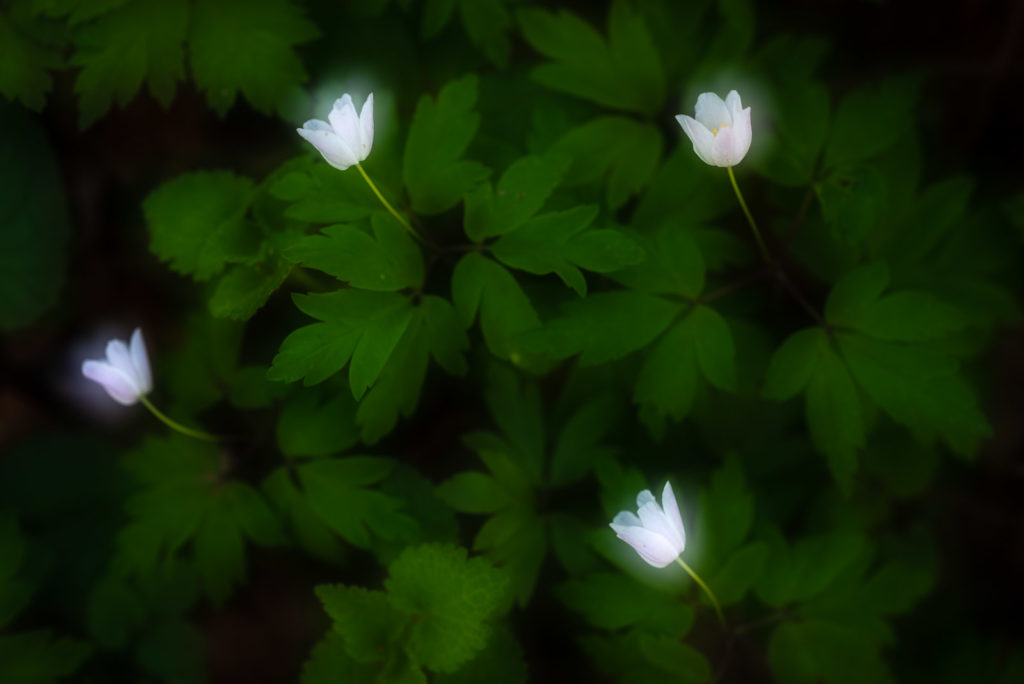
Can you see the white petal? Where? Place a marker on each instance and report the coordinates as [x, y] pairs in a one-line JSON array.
[[655, 520], [652, 547], [329, 144], [118, 385], [119, 357], [668, 502], [140, 361], [627, 519], [700, 136], [731, 144], [366, 125], [345, 123], [734, 104], [711, 111], [644, 497]]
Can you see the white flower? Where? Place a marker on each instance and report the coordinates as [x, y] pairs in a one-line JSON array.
[[657, 535], [721, 132], [125, 375], [348, 138]]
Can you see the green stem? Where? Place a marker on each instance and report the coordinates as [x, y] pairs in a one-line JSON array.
[[174, 425], [750, 219], [707, 590], [387, 205]]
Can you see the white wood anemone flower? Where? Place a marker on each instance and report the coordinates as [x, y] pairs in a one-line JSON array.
[[125, 373], [655, 532], [721, 132], [346, 138]]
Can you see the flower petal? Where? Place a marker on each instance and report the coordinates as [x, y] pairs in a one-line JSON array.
[[734, 104], [730, 146], [140, 362], [652, 547], [119, 357], [700, 136], [118, 385], [627, 519], [345, 123], [655, 520], [322, 136], [668, 503], [366, 126], [644, 498], [711, 111]]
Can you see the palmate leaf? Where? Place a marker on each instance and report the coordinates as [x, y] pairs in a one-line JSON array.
[[32, 47], [248, 47], [519, 194], [486, 22], [435, 174], [139, 42], [622, 72]]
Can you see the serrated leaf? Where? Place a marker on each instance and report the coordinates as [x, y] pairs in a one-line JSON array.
[[248, 47], [317, 424], [365, 620], [620, 153], [578, 444], [358, 325], [453, 596], [28, 59], [481, 285], [487, 23], [673, 264], [441, 129], [386, 261], [855, 291], [319, 193], [519, 194], [623, 72], [559, 243], [793, 364], [613, 601], [196, 222], [141, 41], [312, 533]]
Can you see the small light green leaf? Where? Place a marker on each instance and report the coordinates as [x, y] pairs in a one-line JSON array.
[[196, 222], [141, 41], [388, 260], [441, 129], [248, 46], [622, 153], [480, 284], [522, 191], [623, 72], [453, 596]]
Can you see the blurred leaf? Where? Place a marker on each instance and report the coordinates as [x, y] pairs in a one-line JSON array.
[[673, 264], [330, 663], [312, 534], [473, 493], [248, 47], [871, 118], [38, 658], [817, 650], [34, 238], [316, 423], [834, 416], [487, 23], [441, 129], [31, 49], [620, 153], [807, 569], [613, 601], [388, 260], [501, 662], [453, 596], [794, 363], [578, 444], [560, 243], [623, 72], [173, 651], [244, 288], [852, 201], [140, 41], [15, 593], [520, 193], [366, 620], [738, 573], [800, 114], [319, 193]]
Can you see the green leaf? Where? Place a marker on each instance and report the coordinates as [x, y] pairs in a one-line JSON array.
[[29, 55], [480, 284], [501, 662], [366, 620], [248, 47], [727, 510], [15, 593], [739, 573], [578, 445], [800, 114], [671, 656], [817, 650], [141, 41], [715, 352], [794, 363], [473, 493], [628, 321], [834, 416], [872, 118], [388, 260], [520, 193], [516, 406], [38, 658], [317, 424], [244, 288], [809, 568], [453, 596], [220, 556], [855, 291], [673, 264], [34, 237], [623, 72], [312, 533], [918, 387], [445, 334], [358, 325], [336, 491], [667, 381], [319, 193], [197, 222], [612, 601], [487, 23], [441, 129], [330, 663], [622, 153], [516, 540], [852, 202], [559, 243]]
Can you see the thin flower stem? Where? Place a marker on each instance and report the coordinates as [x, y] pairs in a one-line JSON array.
[[750, 218], [707, 590], [387, 205], [174, 425]]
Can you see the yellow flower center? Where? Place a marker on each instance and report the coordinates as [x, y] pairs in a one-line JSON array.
[[714, 131]]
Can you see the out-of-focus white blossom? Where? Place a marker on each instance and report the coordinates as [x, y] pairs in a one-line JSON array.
[[348, 138], [721, 132]]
